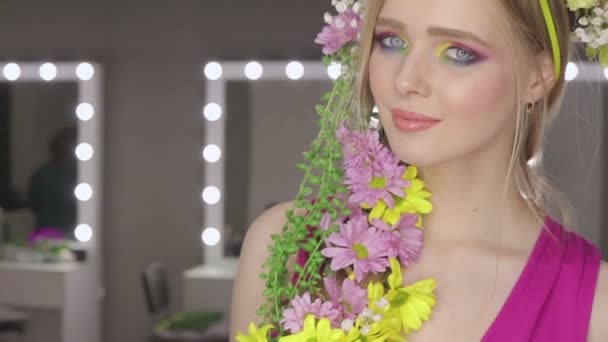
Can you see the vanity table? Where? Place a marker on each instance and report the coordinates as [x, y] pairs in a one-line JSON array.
[[64, 295], [209, 287]]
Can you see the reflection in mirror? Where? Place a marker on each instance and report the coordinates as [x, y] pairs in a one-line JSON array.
[[38, 167], [269, 124]]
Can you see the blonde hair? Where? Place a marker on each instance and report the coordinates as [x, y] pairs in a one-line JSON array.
[[528, 33]]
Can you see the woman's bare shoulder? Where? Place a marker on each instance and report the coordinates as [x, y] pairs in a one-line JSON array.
[[599, 315], [248, 286]]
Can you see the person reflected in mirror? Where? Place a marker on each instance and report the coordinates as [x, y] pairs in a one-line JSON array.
[[51, 188]]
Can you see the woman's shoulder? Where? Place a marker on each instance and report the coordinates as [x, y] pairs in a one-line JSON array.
[[599, 316], [585, 256], [248, 286]]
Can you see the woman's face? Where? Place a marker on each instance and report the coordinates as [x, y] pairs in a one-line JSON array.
[[449, 61]]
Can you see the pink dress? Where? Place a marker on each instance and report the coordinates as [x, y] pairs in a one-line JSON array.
[[552, 299]]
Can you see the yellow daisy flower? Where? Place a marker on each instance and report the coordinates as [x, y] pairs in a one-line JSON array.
[[255, 335], [413, 302], [419, 302], [312, 332]]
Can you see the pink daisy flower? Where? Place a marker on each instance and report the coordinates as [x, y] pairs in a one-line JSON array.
[[342, 28], [357, 244], [404, 240], [293, 318], [350, 299], [379, 182], [358, 148]]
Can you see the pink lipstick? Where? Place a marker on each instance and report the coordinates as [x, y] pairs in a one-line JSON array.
[[411, 122]]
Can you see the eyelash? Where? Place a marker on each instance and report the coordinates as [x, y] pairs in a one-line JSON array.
[[379, 38]]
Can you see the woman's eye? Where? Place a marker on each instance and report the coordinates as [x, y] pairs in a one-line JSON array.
[[392, 42], [460, 55]]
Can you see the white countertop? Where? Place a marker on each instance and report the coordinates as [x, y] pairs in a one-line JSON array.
[[225, 270], [39, 266]]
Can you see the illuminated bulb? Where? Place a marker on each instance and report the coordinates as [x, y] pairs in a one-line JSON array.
[[213, 71], [211, 236], [12, 71], [84, 151], [212, 111], [83, 192], [334, 70], [571, 71], [294, 70], [85, 111], [48, 71], [211, 195], [83, 233], [85, 71], [253, 70], [212, 153]]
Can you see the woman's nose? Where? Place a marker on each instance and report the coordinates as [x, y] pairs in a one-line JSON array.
[[412, 76]]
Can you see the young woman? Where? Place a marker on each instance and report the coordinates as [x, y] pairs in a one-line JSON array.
[[465, 90]]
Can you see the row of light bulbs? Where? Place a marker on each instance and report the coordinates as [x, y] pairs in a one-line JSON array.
[[254, 70], [295, 70], [48, 71], [84, 112]]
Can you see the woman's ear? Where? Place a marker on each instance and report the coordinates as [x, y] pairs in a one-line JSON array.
[[542, 80]]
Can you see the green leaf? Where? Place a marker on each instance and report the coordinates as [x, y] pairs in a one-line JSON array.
[[604, 56]]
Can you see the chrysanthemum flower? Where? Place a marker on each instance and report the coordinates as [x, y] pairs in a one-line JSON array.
[[255, 334], [293, 317], [357, 244], [358, 148], [315, 332], [379, 182], [349, 298], [341, 29], [404, 240]]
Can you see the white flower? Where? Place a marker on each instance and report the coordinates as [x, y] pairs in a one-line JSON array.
[[367, 313], [339, 23], [357, 7], [579, 31], [365, 329], [377, 318], [598, 11], [347, 324], [341, 7], [328, 18], [583, 21], [353, 23], [382, 303], [596, 21]]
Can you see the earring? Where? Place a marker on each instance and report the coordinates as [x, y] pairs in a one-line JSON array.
[[530, 107], [374, 122]]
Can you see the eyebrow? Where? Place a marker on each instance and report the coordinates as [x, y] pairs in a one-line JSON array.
[[434, 30]]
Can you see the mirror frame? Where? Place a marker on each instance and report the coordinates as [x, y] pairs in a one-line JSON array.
[[89, 78], [217, 74]]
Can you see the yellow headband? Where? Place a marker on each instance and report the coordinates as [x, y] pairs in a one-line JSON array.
[[553, 35]]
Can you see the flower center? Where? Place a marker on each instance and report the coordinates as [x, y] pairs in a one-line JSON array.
[[360, 251], [378, 183]]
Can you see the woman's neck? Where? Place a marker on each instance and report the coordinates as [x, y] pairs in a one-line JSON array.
[[471, 204]]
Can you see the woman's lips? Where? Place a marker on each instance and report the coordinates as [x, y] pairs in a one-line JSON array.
[[410, 122]]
